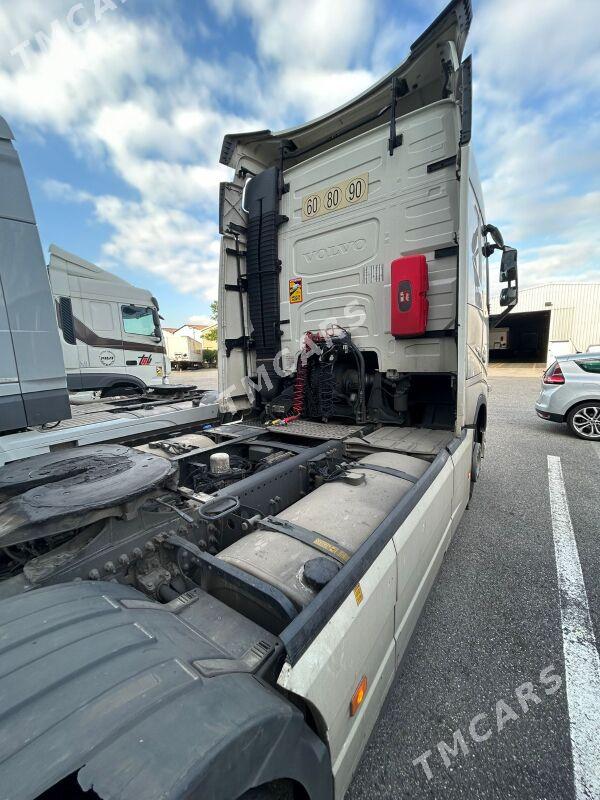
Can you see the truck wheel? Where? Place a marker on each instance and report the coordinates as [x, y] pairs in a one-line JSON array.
[[476, 456], [584, 420], [117, 391], [278, 790]]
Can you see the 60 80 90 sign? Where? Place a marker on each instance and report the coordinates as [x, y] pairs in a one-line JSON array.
[[333, 198]]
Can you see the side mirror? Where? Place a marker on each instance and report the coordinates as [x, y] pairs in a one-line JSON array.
[[508, 297], [508, 265], [509, 273], [156, 320]]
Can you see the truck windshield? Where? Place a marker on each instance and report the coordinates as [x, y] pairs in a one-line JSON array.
[[138, 319]]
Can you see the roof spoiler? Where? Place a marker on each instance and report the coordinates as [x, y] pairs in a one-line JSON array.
[[424, 70]]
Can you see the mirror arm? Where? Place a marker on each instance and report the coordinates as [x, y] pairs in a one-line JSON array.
[[494, 232], [502, 317]]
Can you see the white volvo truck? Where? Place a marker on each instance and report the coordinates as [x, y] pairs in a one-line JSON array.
[[220, 616]]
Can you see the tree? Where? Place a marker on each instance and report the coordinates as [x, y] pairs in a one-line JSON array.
[[211, 335]]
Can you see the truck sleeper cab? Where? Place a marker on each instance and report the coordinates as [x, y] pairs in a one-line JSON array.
[[241, 619], [110, 331]]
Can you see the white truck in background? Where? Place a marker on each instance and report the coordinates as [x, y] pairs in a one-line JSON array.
[[103, 323], [110, 330], [184, 352]]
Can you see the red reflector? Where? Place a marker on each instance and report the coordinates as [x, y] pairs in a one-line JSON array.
[[554, 374], [410, 307]]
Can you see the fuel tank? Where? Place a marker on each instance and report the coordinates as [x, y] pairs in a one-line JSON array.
[[343, 513]]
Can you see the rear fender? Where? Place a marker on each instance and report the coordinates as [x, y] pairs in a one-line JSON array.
[[97, 681]]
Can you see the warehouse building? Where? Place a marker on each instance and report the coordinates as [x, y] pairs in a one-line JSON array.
[[553, 318]]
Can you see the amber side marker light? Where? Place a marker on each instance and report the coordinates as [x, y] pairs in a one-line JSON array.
[[358, 696]]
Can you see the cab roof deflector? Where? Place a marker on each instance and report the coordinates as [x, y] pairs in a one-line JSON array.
[[421, 80]]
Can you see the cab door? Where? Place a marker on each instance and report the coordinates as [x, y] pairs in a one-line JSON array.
[[103, 336], [477, 339], [143, 345]]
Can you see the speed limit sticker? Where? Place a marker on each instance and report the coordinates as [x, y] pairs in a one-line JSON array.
[[340, 195]]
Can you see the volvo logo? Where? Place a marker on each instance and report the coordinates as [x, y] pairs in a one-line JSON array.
[[356, 245]]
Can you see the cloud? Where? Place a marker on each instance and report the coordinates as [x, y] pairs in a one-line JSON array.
[[312, 55], [574, 260], [324, 33], [124, 93], [545, 48], [317, 91], [537, 69], [147, 237], [147, 97], [199, 319]]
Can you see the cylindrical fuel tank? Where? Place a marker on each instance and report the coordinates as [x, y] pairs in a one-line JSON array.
[[343, 512]]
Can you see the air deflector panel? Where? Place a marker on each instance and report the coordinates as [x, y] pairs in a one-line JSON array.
[[262, 270]]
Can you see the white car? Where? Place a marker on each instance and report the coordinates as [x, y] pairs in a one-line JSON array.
[[571, 393]]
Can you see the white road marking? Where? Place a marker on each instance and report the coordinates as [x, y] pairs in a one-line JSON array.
[[582, 663]]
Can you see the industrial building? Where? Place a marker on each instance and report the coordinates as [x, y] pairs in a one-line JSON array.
[[552, 318]]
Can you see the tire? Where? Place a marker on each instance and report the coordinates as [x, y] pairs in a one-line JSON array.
[[584, 421], [476, 456], [279, 790], [118, 391]]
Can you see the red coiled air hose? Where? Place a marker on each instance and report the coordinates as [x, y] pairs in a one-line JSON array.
[[300, 384]]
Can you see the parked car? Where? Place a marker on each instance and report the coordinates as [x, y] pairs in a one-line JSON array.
[[593, 348], [571, 393]]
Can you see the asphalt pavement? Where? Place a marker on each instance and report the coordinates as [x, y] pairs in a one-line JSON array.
[[202, 378], [492, 626]]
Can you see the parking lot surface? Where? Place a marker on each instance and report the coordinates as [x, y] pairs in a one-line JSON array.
[[202, 378], [492, 623]]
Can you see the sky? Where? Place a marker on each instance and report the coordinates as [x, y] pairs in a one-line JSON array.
[[119, 108]]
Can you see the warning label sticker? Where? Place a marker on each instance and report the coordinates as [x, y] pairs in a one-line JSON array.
[[296, 290]]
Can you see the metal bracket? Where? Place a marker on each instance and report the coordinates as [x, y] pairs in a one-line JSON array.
[[444, 162], [244, 342], [446, 252], [231, 251], [239, 229], [399, 89], [317, 541], [396, 473], [250, 662], [175, 606], [241, 287]]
